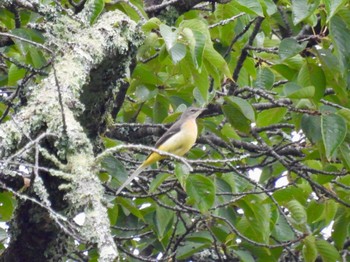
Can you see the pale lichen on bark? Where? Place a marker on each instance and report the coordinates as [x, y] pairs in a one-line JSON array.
[[114, 35]]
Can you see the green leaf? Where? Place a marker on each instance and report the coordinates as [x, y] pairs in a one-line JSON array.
[[241, 104], [340, 35], [160, 108], [113, 214], [245, 256], [311, 126], [329, 211], [344, 151], [290, 47], [250, 7], [265, 119], [168, 35], [236, 118], [6, 206], [38, 60], [265, 78], [157, 181], [304, 92], [202, 190], [96, 8], [269, 7], [333, 128], [282, 230], [163, 220], [327, 251], [181, 173], [309, 249], [128, 205], [108, 142], [299, 216], [194, 243], [29, 34], [177, 52], [256, 220], [145, 75], [15, 74], [199, 48], [315, 77], [115, 168], [152, 23], [285, 71], [332, 7], [341, 227], [302, 9], [215, 59]]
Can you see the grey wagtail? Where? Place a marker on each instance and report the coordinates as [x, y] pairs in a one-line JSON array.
[[177, 140]]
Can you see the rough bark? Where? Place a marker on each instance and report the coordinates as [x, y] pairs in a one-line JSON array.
[[86, 72]]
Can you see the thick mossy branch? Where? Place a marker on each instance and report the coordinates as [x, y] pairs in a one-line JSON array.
[[93, 59]]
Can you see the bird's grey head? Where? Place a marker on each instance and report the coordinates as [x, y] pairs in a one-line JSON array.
[[192, 112]]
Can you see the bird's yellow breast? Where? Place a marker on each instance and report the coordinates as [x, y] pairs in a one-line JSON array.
[[181, 142], [178, 144]]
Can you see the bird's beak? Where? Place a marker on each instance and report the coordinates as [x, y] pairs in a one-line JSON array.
[[200, 111]]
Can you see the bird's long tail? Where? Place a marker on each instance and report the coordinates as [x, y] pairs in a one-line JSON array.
[[131, 177]]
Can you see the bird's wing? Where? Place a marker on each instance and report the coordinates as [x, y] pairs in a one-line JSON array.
[[174, 129]]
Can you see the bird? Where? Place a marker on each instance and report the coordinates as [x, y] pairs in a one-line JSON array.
[[177, 140]]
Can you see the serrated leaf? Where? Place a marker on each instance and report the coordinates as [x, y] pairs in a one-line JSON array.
[[160, 108], [329, 211], [256, 220], [311, 126], [96, 8], [241, 104], [282, 230], [344, 151], [202, 190], [340, 35], [15, 74], [298, 212], [313, 75], [26, 33], [236, 118], [265, 78], [213, 57], [38, 60], [304, 92], [264, 118], [113, 214], [332, 7], [152, 23], [269, 7], [181, 173], [250, 7], [285, 71], [290, 47], [177, 52], [333, 128], [327, 251], [191, 246], [245, 256], [129, 206], [199, 48], [168, 35], [162, 220], [115, 168], [301, 9], [309, 249], [341, 228]]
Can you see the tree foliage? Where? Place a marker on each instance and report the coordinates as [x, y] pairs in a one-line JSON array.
[[268, 179]]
